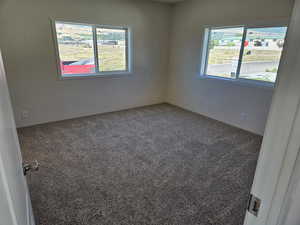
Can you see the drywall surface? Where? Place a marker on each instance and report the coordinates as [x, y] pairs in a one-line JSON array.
[[244, 106], [290, 211], [38, 96]]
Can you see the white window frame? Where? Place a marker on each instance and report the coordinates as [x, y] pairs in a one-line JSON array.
[[98, 73], [205, 54]]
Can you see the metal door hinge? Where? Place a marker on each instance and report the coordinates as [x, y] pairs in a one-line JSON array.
[[254, 205], [27, 167]]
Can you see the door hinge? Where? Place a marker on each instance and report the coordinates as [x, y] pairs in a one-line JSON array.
[[254, 205]]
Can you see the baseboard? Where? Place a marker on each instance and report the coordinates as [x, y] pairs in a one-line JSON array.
[[229, 124], [91, 114]]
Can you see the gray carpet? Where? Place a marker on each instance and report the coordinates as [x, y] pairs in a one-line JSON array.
[[156, 165]]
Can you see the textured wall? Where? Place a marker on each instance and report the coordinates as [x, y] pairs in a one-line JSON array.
[[27, 45], [29, 55], [242, 106]]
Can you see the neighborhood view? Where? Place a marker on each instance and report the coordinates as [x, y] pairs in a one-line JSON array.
[[76, 49], [261, 53]]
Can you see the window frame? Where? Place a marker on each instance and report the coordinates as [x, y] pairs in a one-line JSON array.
[[98, 73], [237, 79]]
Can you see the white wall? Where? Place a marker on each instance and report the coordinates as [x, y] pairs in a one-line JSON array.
[[239, 105], [28, 50], [27, 46], [291, 206]]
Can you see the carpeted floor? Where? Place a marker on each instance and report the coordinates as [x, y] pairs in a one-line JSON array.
[[156, 165]]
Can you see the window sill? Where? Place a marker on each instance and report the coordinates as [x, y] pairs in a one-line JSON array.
[[240, 81], [95, 75]]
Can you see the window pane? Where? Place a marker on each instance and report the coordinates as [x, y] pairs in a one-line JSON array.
[[223, 51], [75, 45], [112, 49], [263, 48]]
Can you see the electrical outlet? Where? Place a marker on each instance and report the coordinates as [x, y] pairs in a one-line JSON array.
[[24, 114]]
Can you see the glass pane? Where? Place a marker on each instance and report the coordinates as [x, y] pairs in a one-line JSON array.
[[112, 49], [75, 45], [224, 50], [263, 48]]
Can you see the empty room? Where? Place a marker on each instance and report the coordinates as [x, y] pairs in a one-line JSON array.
[[149, 112]]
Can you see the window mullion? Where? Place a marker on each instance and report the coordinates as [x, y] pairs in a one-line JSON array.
[[127, 43], [96, 58], [238, 69]]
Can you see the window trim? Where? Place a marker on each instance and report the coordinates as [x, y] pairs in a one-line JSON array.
[[237, 79], [116, 73]]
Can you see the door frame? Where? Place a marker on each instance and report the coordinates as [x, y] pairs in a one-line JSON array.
[[4, 178], [280, 145]]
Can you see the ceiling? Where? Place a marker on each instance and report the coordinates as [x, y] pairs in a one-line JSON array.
[[168, 1]]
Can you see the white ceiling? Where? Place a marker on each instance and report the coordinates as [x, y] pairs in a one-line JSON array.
[[168, 1]]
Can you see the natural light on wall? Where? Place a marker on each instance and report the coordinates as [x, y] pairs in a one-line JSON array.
[[243, 53], [90, 50]]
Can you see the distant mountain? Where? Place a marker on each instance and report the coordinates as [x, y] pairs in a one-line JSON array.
[[253, 33], [277, 30]]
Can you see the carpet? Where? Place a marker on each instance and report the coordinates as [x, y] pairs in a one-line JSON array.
[[154, 165]]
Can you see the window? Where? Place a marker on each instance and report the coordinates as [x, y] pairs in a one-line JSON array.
[[91, 50], [243, 52]]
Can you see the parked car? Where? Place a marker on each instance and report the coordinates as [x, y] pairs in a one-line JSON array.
[[258, 43]]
